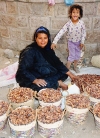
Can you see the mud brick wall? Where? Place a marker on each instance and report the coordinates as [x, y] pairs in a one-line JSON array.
[[19, 19]]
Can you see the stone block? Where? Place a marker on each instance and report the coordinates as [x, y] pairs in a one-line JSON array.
[[22, 44], [22, 21], [2, 7], [25, 8], [90, 49], [27, 35], [36, 22], [90, 9], [88, 23], [98, 9], [9, 43], [93, 37], [42, 9], [61, 10], [12, 8], [8, 20], [15, 33], [96, 23], [4, 31], [58, 23]]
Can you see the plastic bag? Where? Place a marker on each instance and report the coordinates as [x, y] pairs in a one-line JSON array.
[[69, 2], [7, 75], [51, 2]]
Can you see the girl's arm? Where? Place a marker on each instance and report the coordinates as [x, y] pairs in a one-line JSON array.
[[59, 35]]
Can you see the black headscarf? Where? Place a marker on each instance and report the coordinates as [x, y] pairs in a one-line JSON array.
[[47, 52]]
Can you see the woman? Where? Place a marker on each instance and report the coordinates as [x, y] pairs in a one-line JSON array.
[[39, 67]]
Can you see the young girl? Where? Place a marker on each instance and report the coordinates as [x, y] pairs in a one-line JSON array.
[[76, 34]]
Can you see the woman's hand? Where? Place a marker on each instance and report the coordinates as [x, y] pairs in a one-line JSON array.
[[72, 76], [40, 82], [53, 46]]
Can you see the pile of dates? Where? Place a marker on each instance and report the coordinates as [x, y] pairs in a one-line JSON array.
[[3, 107], [85, 80], [20, 95], [96, 110], [78, 101], [49, 95], [50, 114], [22, 116], [93, 90]]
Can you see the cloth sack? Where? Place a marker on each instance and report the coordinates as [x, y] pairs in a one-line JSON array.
[[96, 61]]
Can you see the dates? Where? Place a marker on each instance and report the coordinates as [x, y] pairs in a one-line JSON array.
[[22, 116], [20, 95], [50, 114], [78, 101], [93, 90], [3, 107], [49, 95], [86, 80], [96, 110]]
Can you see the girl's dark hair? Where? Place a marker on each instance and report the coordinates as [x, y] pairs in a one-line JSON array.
[[44, 30], [76, 6]]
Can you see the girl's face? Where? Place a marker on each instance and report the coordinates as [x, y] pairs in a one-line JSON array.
[[42, 40], [75, 14]]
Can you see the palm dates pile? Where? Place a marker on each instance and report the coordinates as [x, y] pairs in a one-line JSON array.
[[3, 107], [78, 101], [20, 95], [49, 95], [22, 116], [96, 110], [93, 90], [50, 114], [86, 79]]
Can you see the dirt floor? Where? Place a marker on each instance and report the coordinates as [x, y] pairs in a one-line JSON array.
[[87, 129]]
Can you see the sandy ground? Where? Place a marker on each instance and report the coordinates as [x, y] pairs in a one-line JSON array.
[[87, 129]]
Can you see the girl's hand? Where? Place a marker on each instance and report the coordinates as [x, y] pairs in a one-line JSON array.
[[40, 82], [53, 46], [81, 46]]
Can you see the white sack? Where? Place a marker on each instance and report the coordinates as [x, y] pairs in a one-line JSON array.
[[96, 61]]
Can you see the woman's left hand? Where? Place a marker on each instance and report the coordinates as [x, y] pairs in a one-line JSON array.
[[40, 82]]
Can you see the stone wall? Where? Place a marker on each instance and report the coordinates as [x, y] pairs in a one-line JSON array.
[[19, 19]]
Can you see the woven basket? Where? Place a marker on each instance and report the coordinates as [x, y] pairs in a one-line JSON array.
[[97, 122], [3, 119], [22, 131], [42, 103], [94, 100], [96, 118], [76, 116], [50, 130], [15, 105]]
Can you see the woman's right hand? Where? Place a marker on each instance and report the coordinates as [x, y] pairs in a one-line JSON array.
[[40, 82], [53, 46]]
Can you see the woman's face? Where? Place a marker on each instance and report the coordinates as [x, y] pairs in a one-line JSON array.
[[42, 40]]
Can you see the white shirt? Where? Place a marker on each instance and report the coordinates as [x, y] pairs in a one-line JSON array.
[[75, 32]]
